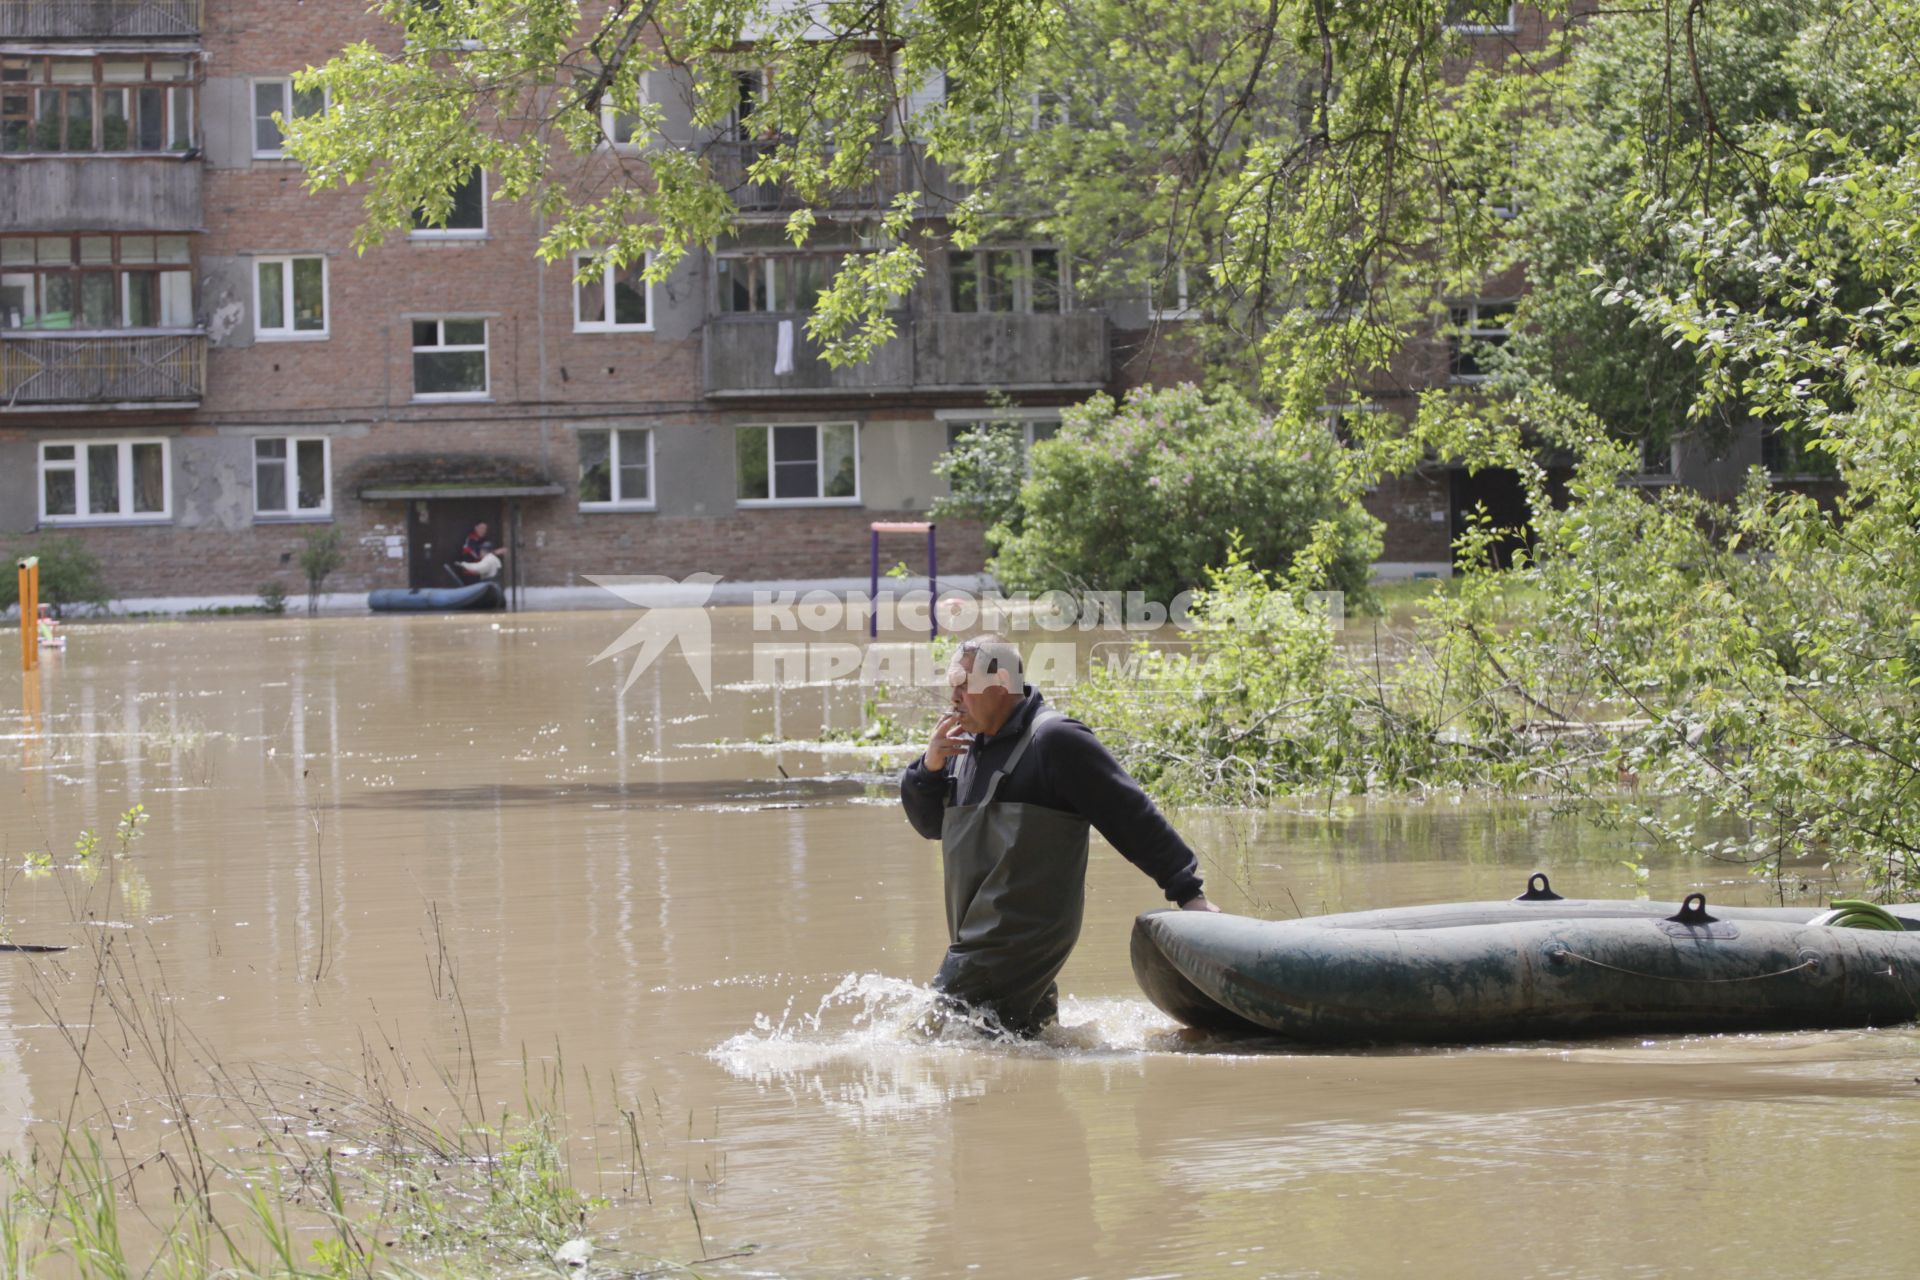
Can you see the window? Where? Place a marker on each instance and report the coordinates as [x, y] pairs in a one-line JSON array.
[[813, 464], [1479, 18], [279, 97], [613, 298], [1477, 328], [289, 298], [467, 218], [1033, 429], [749, 91], [1168, 297], [789, 283], [104, 480], [1786, 456], [747, 284], [290, 476], [1031, 280], [95, 282], [449, 359], [619, 127], [117, 102], [616, 469]]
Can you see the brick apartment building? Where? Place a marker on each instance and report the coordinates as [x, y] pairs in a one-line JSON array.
[[196, 368]]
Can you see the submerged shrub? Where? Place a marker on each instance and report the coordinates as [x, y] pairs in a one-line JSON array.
[[1148, 493], [69, 572]]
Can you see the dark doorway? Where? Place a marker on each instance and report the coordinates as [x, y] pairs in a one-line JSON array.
[[435, 530], [1499, 491]]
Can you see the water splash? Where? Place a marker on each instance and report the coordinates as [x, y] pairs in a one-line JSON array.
[[870, 1024]]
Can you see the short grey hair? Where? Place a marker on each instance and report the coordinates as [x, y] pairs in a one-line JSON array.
[[1000, 653]]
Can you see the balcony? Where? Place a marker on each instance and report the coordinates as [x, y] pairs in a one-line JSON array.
[[99, 19], [895, 170], [931, 354], [134, 193], [40, 370]]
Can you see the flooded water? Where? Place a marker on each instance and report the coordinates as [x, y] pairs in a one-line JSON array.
[[454, 844]]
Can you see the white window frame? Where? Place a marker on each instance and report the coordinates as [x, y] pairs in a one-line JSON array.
[[1183, 308], [291, 513], [619, 501], [1507, 28], [286, 332], [78, 466], [1026, 419], [458, 233], [610, 116], [1648, 474], [254, 117], [606, 285], [1474, 331], [485, 348], [819, 466]]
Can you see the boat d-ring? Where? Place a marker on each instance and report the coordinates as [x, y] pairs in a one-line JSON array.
[[1693, 911], [1538, 890]]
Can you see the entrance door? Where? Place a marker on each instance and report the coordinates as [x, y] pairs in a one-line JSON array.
[[435, 530]]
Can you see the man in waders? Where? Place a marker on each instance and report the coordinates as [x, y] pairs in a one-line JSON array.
[[1009, 785]]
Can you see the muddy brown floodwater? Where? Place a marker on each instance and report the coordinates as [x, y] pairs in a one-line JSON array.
[[697, 902]]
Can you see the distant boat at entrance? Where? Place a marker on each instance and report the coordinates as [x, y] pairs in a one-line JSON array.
[[480, 595]]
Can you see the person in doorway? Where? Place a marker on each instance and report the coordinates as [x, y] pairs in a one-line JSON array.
[[471, 551], [1009, 786], [485, 567]]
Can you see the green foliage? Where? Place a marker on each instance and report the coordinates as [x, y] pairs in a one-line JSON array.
[[984, 471], [69, 572], [1264, 701], [320, 554], [1146, 494], [273, 596]]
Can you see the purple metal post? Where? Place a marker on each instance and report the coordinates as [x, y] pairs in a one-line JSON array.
[[933, 585], [873, 589]]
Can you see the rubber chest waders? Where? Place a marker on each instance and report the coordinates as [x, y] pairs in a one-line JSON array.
[[1016, 891]]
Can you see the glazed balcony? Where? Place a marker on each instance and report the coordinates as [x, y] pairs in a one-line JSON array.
[[962, 353], [99, 19], [101, 369]]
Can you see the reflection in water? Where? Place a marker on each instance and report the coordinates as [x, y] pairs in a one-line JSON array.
[[659, 894]]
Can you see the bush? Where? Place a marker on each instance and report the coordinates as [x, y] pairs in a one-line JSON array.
[[319, 556], [1147, 494], [69, 573], [273, 596]]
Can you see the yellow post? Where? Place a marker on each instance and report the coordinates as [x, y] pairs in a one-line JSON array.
[[29, 613]]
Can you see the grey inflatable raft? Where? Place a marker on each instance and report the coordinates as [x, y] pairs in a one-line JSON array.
[[1540, 966], [479, 595]]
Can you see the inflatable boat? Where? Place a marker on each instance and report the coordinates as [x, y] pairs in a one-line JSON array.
[[481, 595], [1539, 966]]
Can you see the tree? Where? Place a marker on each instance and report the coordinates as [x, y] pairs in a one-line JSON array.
[[320, 555], [1149, 493]]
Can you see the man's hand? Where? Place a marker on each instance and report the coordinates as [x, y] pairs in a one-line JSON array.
[[948, 740], [1198, 902]]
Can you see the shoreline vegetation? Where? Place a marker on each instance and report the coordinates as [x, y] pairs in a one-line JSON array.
[[167, 1159]]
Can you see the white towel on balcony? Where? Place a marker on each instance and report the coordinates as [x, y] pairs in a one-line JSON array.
[[783, 349]]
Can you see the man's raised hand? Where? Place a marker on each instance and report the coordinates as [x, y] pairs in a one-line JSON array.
[[948, 740]]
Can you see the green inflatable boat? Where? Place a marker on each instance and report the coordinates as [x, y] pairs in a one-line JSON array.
[[1540, 966]]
